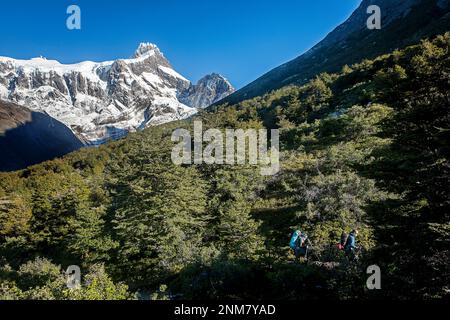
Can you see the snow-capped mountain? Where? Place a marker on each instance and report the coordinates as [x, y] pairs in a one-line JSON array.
[[208, 90], [100, 101]]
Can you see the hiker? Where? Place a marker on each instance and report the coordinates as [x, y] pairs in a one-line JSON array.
[[344, 237], [350, 245], [303, 246], [299, 244]]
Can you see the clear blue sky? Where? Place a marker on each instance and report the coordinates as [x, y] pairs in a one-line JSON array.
[[241, 39]]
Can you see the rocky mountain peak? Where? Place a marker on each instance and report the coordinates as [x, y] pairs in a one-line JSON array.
[[146, 48], [99, 101], [208, 90]]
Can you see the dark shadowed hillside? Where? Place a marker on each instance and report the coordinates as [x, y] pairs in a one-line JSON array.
[[403, 23], [28, 137]]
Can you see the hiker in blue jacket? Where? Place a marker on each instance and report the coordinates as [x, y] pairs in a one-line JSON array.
[[350, 245], [299, 244]]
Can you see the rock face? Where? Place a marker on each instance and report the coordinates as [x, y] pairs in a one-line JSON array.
[[28, 137], [102, 101], [208, 90], [404, 23]]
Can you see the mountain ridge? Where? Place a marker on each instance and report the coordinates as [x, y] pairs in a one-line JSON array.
[[100, 101], [403, 24]]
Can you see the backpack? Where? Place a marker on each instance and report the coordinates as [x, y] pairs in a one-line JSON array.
[[344, 238], [294, 238], [349, 244]]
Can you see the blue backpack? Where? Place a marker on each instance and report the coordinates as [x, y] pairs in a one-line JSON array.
[[294, 238]]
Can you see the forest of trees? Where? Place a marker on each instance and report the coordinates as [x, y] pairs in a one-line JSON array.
[[366, 148]]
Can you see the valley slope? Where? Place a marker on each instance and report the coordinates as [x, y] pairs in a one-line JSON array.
[[403, 23]]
